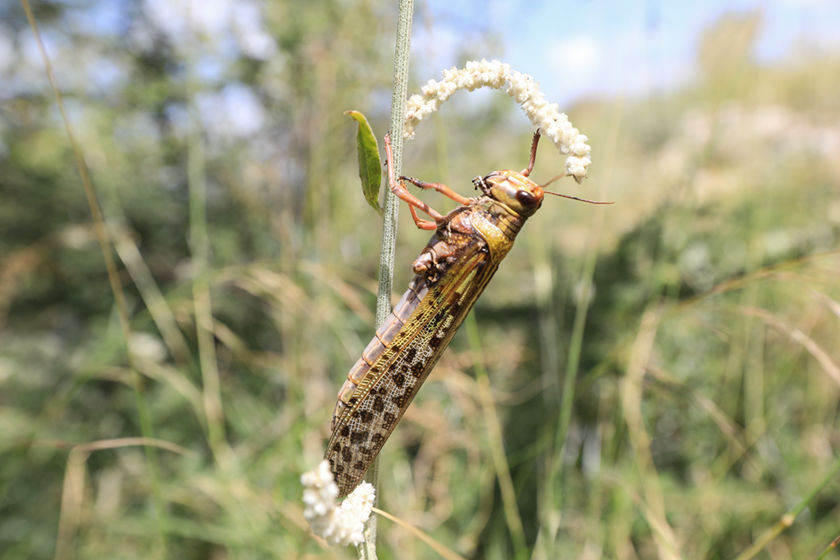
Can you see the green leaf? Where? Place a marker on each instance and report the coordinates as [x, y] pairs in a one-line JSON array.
[[370, 166]]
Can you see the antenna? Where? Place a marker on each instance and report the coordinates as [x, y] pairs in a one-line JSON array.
[[577, 198]]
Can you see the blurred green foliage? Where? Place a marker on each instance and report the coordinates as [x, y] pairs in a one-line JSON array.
[[705, 389]]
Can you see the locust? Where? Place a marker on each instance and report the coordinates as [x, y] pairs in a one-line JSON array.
[[451, 272]]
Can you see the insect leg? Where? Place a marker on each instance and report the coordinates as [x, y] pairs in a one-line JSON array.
[[399, 189], [429, 225], [439, 187], [534, 143]]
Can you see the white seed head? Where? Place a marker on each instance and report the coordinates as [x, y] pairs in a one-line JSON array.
[[337, 524], [523, 88]]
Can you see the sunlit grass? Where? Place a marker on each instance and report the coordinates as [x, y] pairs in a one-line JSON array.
[[705, 360]]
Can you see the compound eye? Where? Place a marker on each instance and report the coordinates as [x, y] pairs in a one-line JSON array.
[[526, 198]]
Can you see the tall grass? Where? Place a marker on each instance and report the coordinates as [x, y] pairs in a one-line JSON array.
[[654, 379]]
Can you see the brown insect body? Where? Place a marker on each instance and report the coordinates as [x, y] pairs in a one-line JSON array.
[[451, 273]]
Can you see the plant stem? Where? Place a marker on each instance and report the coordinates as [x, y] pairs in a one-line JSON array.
[[787, 520], [389, 226], [496, 441]]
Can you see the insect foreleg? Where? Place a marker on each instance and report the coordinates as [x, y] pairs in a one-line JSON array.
[[399, 189], [439, 187]]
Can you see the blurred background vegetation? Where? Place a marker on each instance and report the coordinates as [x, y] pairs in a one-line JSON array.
[[663, 373]]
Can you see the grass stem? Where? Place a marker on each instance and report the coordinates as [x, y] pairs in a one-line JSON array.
[[389, 226]]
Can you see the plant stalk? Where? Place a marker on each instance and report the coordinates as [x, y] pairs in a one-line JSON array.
[[402, 49]]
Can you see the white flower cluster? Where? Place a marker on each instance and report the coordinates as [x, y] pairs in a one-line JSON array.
[[336, 524], [522, 88]]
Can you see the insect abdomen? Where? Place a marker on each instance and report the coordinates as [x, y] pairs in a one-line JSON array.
[[385, 334]]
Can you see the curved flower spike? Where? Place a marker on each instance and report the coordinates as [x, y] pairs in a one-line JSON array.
[[522, 88]]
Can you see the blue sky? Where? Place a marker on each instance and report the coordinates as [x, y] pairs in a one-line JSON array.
[[574, 49], [588, 47]]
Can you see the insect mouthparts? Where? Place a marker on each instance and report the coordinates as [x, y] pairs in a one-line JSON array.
[[480, 183]]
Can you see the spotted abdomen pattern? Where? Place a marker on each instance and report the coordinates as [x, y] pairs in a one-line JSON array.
[[397, 361]]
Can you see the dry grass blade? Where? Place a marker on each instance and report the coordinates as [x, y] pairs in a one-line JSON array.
[[631, 393], [436, 546], [828, 365], [832, 305], [73, 490], [496, 440], [159, 309]]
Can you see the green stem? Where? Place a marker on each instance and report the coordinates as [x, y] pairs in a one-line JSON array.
[[199, 243], [402, 49], [496, 441], [790, 516], [571, 373]]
